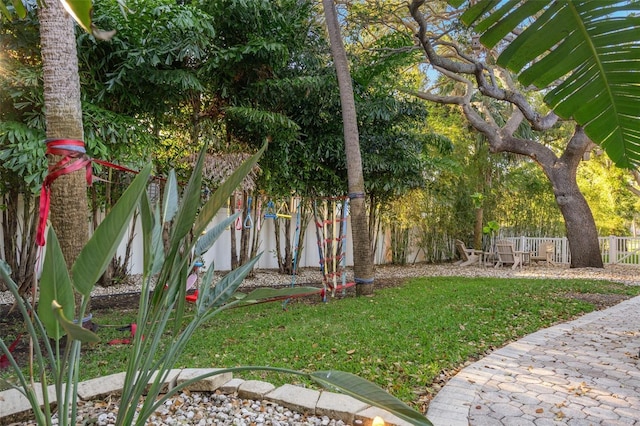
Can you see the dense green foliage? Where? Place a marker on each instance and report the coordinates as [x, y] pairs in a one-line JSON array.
[[234, 73]]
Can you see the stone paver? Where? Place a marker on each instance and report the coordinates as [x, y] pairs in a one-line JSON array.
[[15, 407], [299, 399], [580, 372]]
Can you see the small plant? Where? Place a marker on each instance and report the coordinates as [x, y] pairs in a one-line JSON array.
[[161, 337], [490, 229]]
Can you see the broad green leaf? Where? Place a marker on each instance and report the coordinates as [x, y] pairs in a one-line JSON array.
[[146, 220], [368, 392], [220, 197], [21, 11], [153, 248], [75, 331], [55, 284], [205, 242], [5, 11], [273, 294], [218, 294], [157, 244], [80, 11], [98, 252], [591, 47], [19, 8], [171, 198], [189, 204]]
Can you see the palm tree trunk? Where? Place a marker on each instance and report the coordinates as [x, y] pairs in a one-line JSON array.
[[362, 261], [63, 114]]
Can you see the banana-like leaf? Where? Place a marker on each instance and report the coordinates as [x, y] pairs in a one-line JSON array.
[[171, 198], [97, 253], [189, 204], [221, 195], [218, 294], [369, 393], [18, 7], [157, 244], [272, 294], [55, 284], [81, 11], [146, 220], [592, 48], [153, 247], [75, 331], [5, 11], [205, 241]]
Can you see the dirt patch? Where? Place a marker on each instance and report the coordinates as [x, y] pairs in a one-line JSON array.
[[600, 301]]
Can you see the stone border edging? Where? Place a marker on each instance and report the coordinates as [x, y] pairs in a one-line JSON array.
[[15, 407]]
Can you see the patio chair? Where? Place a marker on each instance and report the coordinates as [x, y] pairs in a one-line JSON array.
[[507, 255], [546, 253], [467, 256]]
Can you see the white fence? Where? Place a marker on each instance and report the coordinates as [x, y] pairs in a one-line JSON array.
[[614, 250], [220, 254]]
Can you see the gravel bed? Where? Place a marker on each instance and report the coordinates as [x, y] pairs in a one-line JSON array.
[[200, 409]]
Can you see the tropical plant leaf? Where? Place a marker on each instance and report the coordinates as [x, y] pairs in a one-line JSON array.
[[190, 203], [273, 294], [80, 11], [157, 244], [217, 295], [55, 285], [18, 7], [146, 221], [368, 392], [75, 331], [99, 250], [591, 48], [205, 242], [153, 247], [221, 195], [171, 197]]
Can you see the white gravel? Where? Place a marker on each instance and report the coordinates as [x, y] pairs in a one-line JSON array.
[[200, 409]]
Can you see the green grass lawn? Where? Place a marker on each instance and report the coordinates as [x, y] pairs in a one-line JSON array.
[[402, 338]]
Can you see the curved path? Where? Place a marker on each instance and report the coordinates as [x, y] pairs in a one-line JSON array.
[[584, 372]]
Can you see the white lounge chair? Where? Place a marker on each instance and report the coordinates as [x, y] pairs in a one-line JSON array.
[[546, 253], [507, 255]]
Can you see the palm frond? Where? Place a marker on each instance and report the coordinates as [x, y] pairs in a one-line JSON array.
[[592, 48]]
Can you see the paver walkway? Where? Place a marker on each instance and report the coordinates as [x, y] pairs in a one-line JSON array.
[[584, 372]]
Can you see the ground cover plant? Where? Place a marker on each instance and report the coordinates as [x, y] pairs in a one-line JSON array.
[[407, 338]]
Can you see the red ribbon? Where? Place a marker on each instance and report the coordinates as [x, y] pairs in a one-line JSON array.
[[74, 158]]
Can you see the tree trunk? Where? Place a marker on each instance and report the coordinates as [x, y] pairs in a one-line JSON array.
[[63, 114], [362, 260], [582, 233], [477, 230]]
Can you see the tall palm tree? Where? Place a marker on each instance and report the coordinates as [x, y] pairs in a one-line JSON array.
[[63, 114], [362, 259]]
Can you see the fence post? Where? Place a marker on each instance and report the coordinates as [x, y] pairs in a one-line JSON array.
[[613, 250]]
